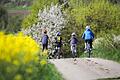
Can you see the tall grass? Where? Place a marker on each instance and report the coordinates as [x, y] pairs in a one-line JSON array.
[[107, 48]]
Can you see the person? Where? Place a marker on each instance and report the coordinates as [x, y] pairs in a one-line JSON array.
[[73, 42], [58, 39], [58, 42], [45, 41], [88, 36]]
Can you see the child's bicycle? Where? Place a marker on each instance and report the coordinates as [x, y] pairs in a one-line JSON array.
[[55, 52], [73, 50]]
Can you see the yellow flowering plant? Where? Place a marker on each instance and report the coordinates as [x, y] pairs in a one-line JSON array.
[[17, 48], [17, 54]]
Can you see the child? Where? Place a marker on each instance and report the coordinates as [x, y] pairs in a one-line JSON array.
[[73, 43], [45, 41]]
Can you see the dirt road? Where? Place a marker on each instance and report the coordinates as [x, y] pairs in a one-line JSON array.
[[86, 69], [18, 12]]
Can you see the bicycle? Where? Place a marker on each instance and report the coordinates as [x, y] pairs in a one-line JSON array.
[[73, 49], [55, 51], [88, 49]]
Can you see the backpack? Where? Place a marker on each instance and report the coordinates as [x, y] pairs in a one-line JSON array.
[[45, 39], [58, 39]]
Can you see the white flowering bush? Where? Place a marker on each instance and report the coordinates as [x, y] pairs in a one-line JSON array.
[[52, 19]]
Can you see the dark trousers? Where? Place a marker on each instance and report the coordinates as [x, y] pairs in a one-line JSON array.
[[89, 41], [44, 46]]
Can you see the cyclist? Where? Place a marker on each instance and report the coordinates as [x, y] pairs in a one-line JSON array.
[[73, 42], [58, 42], [88, 36], [45, 41]]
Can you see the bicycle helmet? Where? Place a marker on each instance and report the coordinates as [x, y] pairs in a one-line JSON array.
[[87, 27], [58, 34], [73, 34]]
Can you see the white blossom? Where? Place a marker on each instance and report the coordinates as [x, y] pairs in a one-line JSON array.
[[51, 19]]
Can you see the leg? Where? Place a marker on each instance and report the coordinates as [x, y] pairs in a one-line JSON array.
[[90, 44], [86, 44], [46, 46], [72, 52], [43, 47], [75, 50]]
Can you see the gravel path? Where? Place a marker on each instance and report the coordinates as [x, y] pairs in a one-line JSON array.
[[86, 69]]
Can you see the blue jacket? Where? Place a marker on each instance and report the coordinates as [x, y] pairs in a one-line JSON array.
[[45, 39], [88, 35]]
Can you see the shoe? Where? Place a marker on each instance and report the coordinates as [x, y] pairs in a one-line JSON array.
[[85, 51], [90, 49], [74, 59]]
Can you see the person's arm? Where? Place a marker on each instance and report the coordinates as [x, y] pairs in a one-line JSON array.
[[83, 36], [77, 40], [41, 39], [48, 39], [61, 41], [92, 35], [69, 40]]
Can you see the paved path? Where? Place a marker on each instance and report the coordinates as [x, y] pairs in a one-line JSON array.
[[86, 69]]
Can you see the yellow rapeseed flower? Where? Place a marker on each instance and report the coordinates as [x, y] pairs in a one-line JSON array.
[[19, 48], [45, 53], [43, 62]]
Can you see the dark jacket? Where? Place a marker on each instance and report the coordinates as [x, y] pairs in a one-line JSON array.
[[73, 40]]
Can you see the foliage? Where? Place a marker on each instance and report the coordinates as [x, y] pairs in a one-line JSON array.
[[4, 1], [19, 45], [115, 1], [49, 72], [51, 20], [14, 24], [17, 54], [37, 6], [8, 23], [3, 18], [21, 56], [101, 15], [108, 47]]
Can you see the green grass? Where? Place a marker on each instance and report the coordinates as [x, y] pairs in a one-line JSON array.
[[19, 8], [50, 73]]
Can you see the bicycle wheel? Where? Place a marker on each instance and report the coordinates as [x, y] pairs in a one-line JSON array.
[[58, 53], [88, 50], [89, 54], [74, 51]]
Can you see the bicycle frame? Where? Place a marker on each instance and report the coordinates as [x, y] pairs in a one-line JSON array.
[[57, 52], [73, 49], [88, 49]]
